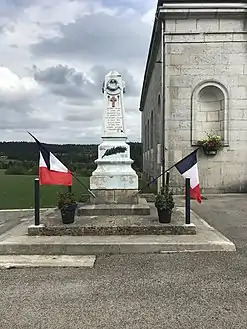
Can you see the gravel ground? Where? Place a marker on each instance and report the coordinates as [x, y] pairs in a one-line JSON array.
[[9, 219], [228, 214], [206, 290], [187, 290]]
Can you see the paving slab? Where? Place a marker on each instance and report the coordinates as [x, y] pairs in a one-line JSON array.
[[20, 261], [17, 242]]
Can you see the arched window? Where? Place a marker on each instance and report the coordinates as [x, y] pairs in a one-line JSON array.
[[209, 111]]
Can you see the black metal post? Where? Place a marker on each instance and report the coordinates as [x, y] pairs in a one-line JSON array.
[[162, 94], [187, 201], [70, 189], [167, 179], [163, 174], [36, 202]]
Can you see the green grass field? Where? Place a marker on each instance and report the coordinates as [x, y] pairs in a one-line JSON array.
[[18, 191]]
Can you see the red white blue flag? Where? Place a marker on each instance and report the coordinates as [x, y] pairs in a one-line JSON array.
[[51, 170], [188, 169]]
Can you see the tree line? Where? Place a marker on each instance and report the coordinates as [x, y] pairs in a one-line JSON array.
[[21, 158]]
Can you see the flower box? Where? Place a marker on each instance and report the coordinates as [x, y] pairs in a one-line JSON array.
[[211, 144]]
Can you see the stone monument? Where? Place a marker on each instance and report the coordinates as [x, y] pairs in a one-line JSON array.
[[117, 209], [114, 180]]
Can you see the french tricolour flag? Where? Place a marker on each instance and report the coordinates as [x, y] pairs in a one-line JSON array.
[[188, 169], [51, 170]]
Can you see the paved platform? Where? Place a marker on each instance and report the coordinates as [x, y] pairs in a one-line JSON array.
[[113, 225], [17, 242]]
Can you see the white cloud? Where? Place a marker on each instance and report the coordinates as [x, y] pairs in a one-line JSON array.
[[54, 56], [14, 88]]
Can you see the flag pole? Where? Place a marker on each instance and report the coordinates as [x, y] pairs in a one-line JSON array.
[[93, 195], [155, 179], [167, 170]]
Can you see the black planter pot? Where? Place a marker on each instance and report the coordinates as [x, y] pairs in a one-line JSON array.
[[164, 216], [209, 152], [68, 213]]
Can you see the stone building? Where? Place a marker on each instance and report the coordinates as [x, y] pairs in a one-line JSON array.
[[196, 79]]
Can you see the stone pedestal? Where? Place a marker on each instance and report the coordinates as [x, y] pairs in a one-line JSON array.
[[114, 181], [114, 172], [115, 197]]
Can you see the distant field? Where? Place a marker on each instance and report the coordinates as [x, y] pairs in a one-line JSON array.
[[17, 191]]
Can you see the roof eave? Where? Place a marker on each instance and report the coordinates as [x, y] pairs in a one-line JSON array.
[[152, 53], [162, 8]]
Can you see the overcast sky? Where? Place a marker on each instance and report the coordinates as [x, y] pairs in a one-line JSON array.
[[54, 56]]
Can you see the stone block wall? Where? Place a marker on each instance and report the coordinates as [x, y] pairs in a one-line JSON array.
[[151, 124], [206, 80]]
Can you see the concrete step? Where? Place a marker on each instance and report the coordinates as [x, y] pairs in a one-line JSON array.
[[142, 208], [95, 245]]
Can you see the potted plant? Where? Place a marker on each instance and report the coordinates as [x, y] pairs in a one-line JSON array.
[[67, 205], [164, 204], [211, 144]]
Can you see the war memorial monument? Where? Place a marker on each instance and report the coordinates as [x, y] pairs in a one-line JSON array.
[[117, 206], [118, 219], [195, 80]]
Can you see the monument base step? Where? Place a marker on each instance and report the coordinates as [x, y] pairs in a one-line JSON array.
[[17, 242], [113, 196], [112, 231], [112, 225], [142, 208]]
